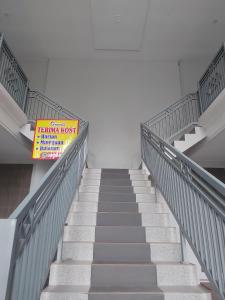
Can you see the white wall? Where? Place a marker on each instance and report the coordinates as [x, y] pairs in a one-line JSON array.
[[115, 96], [36, 71], [190, 73]]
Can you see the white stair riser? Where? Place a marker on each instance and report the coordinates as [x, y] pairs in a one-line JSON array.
[[165, 252], [79, 234], [152, 234], [90, 219], [176, 275], [179, 295], [97, 176], [70, 274], [161, 234], [78, 251], [98, 171], [63, 296], [136, 190], [97, 182], [160, 252]]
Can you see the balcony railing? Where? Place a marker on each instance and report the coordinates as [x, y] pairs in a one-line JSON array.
[[38, 106], [30, 236], [196, 199], [175, 117], [12, 76], [213, 81]]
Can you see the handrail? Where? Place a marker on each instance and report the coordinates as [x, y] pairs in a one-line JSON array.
[[38, 106], [175, 117], [195, 197], [36, 226], [12, 77], [213, 80]]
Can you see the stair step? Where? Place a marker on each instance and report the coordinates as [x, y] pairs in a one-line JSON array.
[[121, 253], [117, 197], [118, 219], [113, 189], [70, 273], [94, 196], [109, 206], [84, 293], [119, 171], [126, 234], [135, 189], [123, 276]]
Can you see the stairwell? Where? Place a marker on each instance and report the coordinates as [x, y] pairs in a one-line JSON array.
[[121, 243]]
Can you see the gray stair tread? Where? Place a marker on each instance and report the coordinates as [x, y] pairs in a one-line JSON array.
[[103, 206], [117, 196], [115, 189], [124, 171], [120, 234], [115, 175], [116, 181]]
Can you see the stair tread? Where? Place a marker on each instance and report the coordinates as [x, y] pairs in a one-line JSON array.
[[86, 289]]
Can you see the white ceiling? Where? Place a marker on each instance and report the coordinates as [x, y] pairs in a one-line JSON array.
[[165, 30]]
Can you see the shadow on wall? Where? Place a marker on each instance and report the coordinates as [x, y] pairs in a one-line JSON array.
[[14, 186]]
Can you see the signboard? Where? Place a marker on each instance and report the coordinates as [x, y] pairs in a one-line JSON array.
[[52, 137]]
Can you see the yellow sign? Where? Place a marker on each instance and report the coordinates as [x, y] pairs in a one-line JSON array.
[[52, 137]]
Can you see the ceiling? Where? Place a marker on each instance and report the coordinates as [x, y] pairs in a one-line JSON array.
[[133, 29]]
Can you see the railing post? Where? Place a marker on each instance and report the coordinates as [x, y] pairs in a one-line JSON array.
[[183, 243], [59, 250]]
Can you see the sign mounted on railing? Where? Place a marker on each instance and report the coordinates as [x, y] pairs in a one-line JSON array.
[[52, 137]]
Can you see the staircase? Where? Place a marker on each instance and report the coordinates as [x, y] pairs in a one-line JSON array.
[[188, 140], [121, 243]]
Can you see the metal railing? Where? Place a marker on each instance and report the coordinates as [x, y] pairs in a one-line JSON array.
[[175, 117], [197, 200], [12, 76], [31, 234], [213, 81], [38, 106]]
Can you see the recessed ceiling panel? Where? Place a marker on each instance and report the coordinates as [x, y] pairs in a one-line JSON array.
[[119, 24]]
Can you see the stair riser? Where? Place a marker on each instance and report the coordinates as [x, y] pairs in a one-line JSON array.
[[176, 275], [99, 171], [123, 276], [135, 190], [112, 176], [64, 296], [120, 234], [139, 198], [118, 207], [127, 296], [65, 274], [121, 253], [78, 251], [115, 183], [117, 219]]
